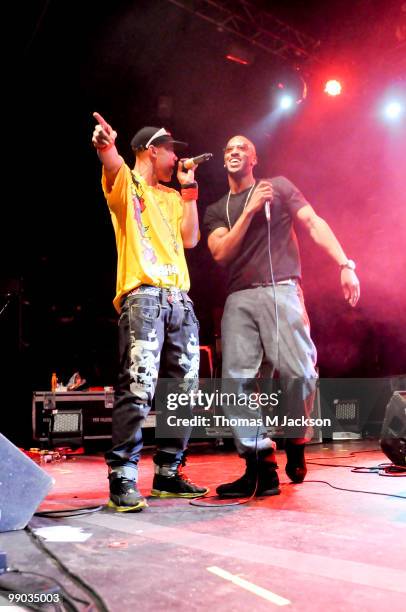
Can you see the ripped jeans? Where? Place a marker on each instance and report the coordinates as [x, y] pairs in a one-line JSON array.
[[158, 333]]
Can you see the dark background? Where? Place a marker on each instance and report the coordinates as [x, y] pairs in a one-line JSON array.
[[128, 59]]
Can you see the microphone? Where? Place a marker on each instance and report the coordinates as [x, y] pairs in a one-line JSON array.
[[268, 210], [194, 161]]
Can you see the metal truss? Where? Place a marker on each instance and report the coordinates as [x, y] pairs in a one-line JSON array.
[[257, 26]]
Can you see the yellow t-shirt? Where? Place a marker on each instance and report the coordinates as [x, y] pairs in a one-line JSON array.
[[146, 223]]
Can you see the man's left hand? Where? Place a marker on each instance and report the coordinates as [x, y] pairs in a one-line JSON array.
[[350, 285]]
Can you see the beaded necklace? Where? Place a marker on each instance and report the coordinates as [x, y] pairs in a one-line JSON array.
[[175, 244], [169, 227]]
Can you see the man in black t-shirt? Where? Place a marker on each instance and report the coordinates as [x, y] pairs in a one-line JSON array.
[[251, 233]]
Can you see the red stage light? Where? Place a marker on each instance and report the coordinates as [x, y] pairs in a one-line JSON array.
[[333, 88], [237, 60]]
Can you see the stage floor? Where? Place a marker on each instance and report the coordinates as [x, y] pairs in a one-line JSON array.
[[312, 548]]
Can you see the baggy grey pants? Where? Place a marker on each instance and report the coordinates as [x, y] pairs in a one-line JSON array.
[[249, 337]]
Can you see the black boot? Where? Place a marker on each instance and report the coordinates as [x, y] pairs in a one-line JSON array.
[[268, 480], [260, 472], [242, 487], [296, 464]]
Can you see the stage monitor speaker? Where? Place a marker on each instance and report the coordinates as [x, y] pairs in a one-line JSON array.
[[23, 485], [393, 434]]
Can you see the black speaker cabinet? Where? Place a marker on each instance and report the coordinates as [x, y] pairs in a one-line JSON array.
[[393, 434], [23, 485]]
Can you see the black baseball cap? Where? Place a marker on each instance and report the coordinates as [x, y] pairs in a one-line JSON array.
[[152, 135]]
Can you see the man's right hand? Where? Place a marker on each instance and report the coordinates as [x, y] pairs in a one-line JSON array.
[[262, 193], [103, 136]]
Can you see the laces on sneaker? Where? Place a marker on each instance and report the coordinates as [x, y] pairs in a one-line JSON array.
[[182, 476]]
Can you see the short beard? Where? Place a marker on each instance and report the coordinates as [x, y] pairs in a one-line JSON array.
[[238, 174]]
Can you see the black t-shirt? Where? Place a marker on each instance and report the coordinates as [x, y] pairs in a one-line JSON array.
[[251, 267]]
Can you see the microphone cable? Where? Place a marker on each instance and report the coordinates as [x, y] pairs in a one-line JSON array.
[[201, 503], [268, 221]]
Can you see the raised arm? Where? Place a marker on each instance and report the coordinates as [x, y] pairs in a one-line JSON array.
[[323, 236], [103, 140]]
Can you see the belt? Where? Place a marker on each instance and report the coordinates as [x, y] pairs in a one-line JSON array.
[[170, 294], [287, 281]]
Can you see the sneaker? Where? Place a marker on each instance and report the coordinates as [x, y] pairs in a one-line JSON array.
[[177, 485], [124, 495], [260, 473], [295, 468]]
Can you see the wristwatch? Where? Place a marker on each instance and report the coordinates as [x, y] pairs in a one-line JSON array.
[[350, 264]]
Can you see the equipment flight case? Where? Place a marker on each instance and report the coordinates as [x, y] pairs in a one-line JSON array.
[[75, 415]]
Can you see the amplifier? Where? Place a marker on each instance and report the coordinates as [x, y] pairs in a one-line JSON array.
[[346, 413], [56, 413]]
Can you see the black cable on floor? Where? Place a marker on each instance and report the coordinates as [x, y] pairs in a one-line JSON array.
[[352, 453], [100, 604], [356, 490], [226, 504], [69, 512], [389, 470], [334, 465], [65, 594]]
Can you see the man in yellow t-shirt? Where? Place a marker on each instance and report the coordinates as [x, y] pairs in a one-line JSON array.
[[158, 330]]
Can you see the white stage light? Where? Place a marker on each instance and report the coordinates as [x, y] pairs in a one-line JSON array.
[[286, 102], [333, 87], [393, 110]]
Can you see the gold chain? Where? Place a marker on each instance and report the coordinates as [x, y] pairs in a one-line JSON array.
[[245, 203]]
